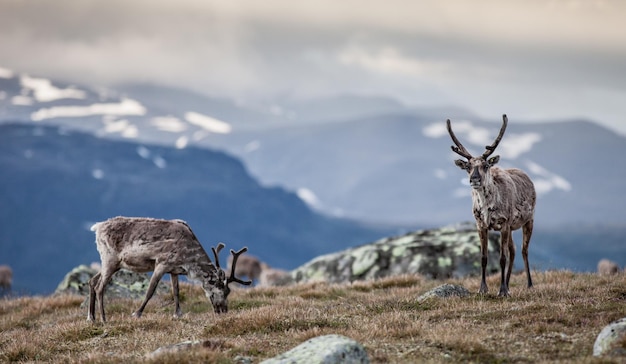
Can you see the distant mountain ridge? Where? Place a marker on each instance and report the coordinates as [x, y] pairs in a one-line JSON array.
[[362, 157], [365, 158], [57, 183]]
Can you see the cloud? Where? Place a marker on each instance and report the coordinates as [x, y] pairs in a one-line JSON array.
[[531, 59]]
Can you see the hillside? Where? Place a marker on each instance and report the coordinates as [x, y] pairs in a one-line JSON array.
[[56, 183], [556, 321], [364, 157]]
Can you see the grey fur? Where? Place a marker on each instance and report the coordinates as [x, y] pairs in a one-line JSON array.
[[503, 200], [142, 244]]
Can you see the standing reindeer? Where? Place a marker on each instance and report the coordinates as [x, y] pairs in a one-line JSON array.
[[159, 246], [503, 200]]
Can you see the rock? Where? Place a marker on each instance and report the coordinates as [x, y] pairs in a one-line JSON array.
[[185, 345], [452, 251], [443, 291], [607, 267], [328, 349], [612, 340], [124, 283]]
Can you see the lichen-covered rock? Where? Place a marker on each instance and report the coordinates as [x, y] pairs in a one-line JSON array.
[[452, 251], [612, 340], [124, 283], [328, 349], [184, 346], [443, 291]]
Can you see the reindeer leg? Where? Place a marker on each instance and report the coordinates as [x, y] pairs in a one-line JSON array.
[[484, 252], [158, 273], [509, 270], [93, 282], [178, 312], [527, 232], [505, 241], [105, 278]]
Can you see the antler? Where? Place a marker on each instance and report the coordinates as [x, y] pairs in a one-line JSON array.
[[491, 148], [216, 251], [459, 148], [232, 277]]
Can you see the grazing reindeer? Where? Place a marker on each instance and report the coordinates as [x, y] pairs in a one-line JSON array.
[[247, 266], [274, 276], [504, 200], [607, 267], [159, 246], [6, 279]]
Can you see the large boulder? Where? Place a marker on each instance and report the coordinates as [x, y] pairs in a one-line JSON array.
[[611, 341], [444, 291], [124, 283], [328, 349], [452, 251]]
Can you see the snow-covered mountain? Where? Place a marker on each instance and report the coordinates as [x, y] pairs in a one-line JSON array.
[[362, 157], [366, 158]]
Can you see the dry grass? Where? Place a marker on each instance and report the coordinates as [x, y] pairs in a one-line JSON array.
[[556, 321]]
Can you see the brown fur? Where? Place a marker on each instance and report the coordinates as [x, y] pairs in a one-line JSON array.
[[503, 200], [247, 266], [160, 246], [274, 276], [6, 278]]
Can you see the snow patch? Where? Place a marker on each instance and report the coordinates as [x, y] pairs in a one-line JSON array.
[[511, 147], [44, 91], [199, 135], [97, 173], [518, 144], [308, 197], [170, 124], [124, 107], [6, 73], [545, 180], [208, 123], [181, 142], [122, 126], [159, 162], [143, 152]]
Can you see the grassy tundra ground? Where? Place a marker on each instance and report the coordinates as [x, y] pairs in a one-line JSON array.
[[557, 320]]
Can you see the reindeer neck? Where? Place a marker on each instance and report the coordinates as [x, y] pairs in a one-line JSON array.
[[484, 200], [199, 267]]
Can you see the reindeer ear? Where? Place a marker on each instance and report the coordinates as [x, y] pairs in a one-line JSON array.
[[493, 160], [462, 164]]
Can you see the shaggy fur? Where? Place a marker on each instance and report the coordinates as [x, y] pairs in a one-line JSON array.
[[160, 246], [503, 200]]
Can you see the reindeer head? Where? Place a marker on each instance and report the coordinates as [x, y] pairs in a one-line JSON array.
[[219, 290], [477, 167]]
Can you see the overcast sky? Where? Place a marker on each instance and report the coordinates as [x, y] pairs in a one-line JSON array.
[[530, 59]]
